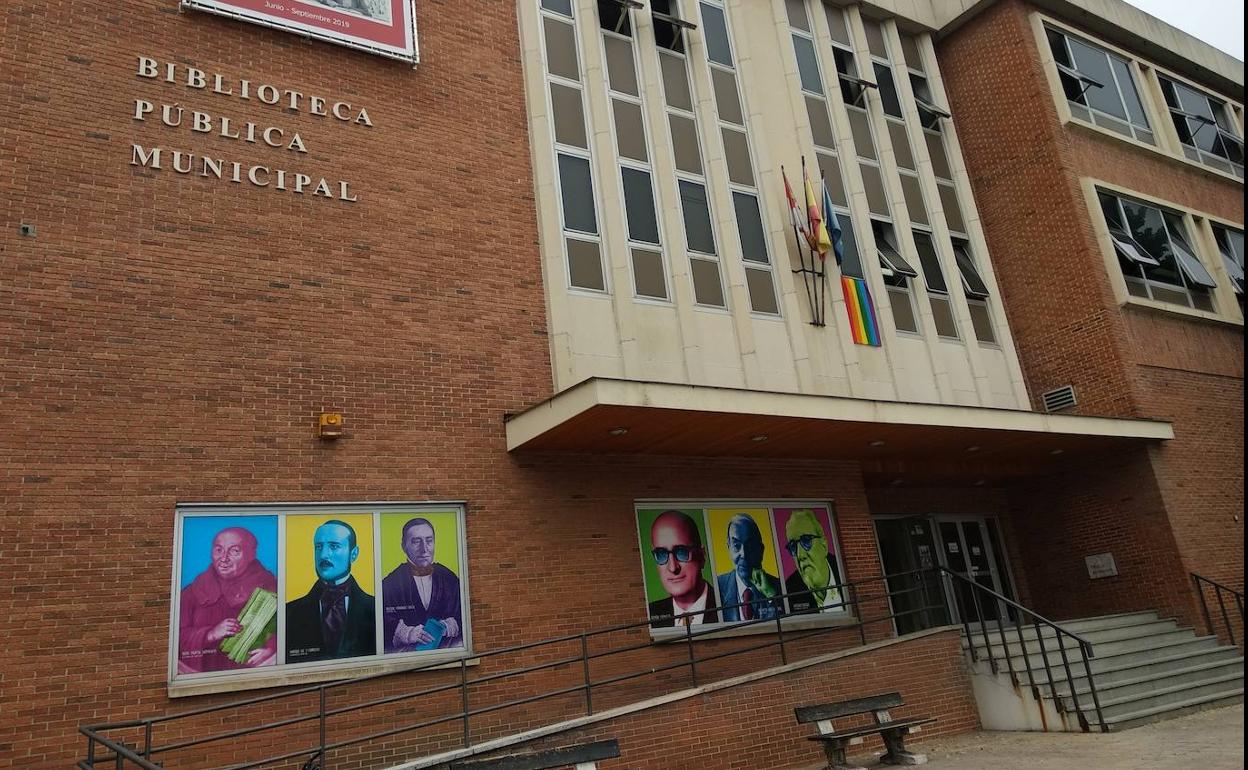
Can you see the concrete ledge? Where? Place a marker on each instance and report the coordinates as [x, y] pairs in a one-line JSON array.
[[662, 700]]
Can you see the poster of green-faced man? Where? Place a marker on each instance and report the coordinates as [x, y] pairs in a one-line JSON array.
[[808, 558], [677, 567]]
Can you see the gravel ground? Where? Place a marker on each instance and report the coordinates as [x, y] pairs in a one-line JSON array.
[[1209, 740]]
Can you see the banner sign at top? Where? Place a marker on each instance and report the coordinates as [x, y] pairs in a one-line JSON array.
[[383, 27]]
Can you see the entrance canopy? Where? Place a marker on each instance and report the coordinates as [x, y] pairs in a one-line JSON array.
[[625, 416]]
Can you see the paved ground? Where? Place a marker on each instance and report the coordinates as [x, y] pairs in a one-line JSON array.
[[1210, 740]]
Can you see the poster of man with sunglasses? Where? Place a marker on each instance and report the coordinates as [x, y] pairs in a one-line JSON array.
[[808, 557], [676, 572]]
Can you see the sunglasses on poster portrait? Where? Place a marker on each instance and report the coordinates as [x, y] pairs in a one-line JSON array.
[[806, 541], [683, 553]]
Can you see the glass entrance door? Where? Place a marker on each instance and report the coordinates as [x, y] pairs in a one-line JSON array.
[[908, 546], [971, 546]]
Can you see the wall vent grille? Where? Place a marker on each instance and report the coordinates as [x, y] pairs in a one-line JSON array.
[[1060, 398]]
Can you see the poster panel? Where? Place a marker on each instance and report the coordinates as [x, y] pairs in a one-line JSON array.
[[675, 566], [743, 556], [330, 587], [808, 559], [378, 26], [227, 608], [422, 591]]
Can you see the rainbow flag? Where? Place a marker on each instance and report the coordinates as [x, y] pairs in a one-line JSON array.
[[861, 310]]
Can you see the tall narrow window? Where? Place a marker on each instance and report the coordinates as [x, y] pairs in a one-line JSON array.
[[1155, 254], [897, 276], [645, 242], [1231, 247], [760, 280], [1205, 127], [1099, 86], [582, 243], [703, 255], [937, 288], [976, 290]]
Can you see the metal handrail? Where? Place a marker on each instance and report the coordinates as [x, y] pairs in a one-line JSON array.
[[1038, 623], [1219, 589], [851, 599]]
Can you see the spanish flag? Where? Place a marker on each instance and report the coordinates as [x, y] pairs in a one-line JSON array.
[[817, 232]]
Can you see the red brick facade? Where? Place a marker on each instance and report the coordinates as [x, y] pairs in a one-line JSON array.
[[1176, 509]]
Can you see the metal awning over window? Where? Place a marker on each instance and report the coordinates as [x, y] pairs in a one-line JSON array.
[[891, 262]]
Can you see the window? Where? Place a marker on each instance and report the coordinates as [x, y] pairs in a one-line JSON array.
[[1155, 254], [1231, 247], [897, 274], [279, 566], [573, 162], [668, 26], [976, 290], [613, 16], [929, 113], [937, 289], [887, 89], [1099, 86], [1205, 127], [751, 228]]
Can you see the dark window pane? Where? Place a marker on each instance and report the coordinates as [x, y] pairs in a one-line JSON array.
[[630, 133], [614, 17], [932, 274], [762, 291], [639, 206], [972, 281], [1148, 229], [561, 49], [648, 274], [837, 24], [914, 199], [820, 125], [910, 50], [707, 288], [1109, 207], [807, 65], [860, 127], [903, 308], [851, 92], [877, 202], [1135, 110], [585, 265], [697, 212], [901, 145], [727, 100], [888, 90], [685, 144], [1057, 43], [569, 120], [852, 263], [936, 151], [558, 6], [981, 322], [675, 82], [621, 69], [875, 38], [797, 14], [750, 226], [737, 153], [831, 171], [942, 316], [953, 211], [715, 33], [576, 185]]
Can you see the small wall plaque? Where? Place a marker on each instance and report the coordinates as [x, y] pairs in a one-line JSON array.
[[1101, 565]]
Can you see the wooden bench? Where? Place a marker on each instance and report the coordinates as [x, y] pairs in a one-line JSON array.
[[893, 731], [582, 757]]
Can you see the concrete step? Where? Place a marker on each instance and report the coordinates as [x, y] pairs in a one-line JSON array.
[[1077, 626], [1125, 689], [1125, 667], [1095, 637], [1227, 697], [1139, 656], [1107, 649]]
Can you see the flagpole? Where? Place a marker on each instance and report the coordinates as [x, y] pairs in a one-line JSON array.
[[801, 256], [817, 273]]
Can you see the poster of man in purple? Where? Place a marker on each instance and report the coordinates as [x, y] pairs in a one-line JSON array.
[[808, 559], [228, 605]]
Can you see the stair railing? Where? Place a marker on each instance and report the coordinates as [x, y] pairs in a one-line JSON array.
[[1219, 591], [982, 594], [107, 748]]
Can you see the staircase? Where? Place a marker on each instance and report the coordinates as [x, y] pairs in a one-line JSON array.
[[1143, 668]]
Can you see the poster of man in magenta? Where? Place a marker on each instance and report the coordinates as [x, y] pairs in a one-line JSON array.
[[808, 559], [383, 26], [227, 609]]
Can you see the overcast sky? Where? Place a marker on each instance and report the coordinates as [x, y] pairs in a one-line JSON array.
[[1218, 22]]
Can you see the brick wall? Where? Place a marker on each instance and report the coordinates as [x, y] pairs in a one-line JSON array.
[[751, 726], [1175, 509]]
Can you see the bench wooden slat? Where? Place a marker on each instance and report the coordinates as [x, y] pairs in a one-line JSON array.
[[870, 729], [567, 756], [807, 714]]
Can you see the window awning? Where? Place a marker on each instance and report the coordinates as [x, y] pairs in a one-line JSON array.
[[1128, 249], [630, 417]]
